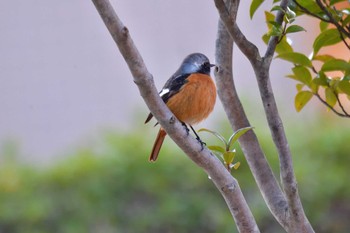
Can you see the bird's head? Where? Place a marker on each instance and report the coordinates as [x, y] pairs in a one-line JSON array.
[[196, 63]]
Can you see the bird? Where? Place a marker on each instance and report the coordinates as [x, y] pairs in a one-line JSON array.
[[190, 94]]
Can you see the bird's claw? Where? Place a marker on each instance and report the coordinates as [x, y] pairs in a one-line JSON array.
[[202, 143], [186, 128]]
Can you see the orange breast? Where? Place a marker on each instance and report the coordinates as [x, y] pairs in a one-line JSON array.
[[195, 100]]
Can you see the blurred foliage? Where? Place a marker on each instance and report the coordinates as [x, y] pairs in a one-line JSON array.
[[113, 188]]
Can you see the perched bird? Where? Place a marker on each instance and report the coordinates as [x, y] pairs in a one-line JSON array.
[[190, 94]]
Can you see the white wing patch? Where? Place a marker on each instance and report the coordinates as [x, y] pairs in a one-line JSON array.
[[163, 92]]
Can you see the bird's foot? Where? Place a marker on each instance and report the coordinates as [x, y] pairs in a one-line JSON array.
[[186, 128], [201, 142]]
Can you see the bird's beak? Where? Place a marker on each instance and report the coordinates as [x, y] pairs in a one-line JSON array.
[[216, 67]]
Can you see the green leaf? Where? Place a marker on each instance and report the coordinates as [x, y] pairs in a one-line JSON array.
[[332, 2], [344, 86], [266, 38], [323, 58], [336, 64], [236, 165], [301, 99], [283, 46], [294, 28], [229, 156], [299, 86], [293, 6], [237, 134], [290, 15], [326, 38], [292, 76], [277, 8], [321, 80], [296, 58], [268, 18], [311, 5], [218, 149], [333, 83], [323, 25], [275, 31], [331, 98], [274, 23], [314, 87], [302, 74], [254, 6], [215, 134], [346, 21]]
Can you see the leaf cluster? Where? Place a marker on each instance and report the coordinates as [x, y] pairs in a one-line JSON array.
[[226, 152], [319, 74]]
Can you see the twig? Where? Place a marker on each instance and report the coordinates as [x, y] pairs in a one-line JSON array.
[[341, 105], [344, 40], [331, 108], [305, 10], [271, 46]]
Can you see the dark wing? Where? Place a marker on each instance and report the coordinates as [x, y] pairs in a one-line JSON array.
[[174, 85], [171, 87]]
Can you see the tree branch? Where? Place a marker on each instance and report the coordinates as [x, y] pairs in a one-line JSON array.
[[298, 221], [227, 93], [226, 184], [289, 183], [247, 47]]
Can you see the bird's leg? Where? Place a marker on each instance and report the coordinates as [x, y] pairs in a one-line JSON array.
[[186, 128], [198, 138]]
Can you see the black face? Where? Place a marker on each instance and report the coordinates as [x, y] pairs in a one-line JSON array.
[[205, 68], [196, 63]]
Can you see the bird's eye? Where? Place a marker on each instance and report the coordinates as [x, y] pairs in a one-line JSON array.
[[206, 64]]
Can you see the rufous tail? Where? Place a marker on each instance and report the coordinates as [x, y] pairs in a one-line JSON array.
[[157, 145]]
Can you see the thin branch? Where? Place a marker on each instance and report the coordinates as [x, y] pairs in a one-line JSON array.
[[249, 143], [344, 40], [341, 105], [271, 46], [306, 11], [226, 184], [331, 108]]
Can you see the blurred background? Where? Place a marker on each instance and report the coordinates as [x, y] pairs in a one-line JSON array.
[[73, 146]]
